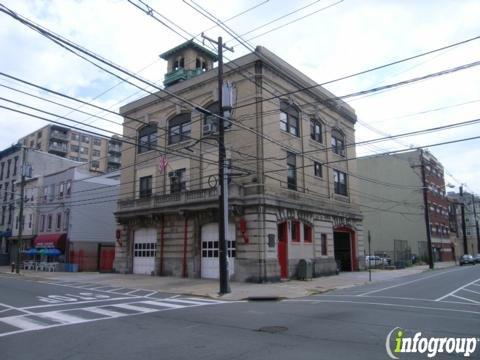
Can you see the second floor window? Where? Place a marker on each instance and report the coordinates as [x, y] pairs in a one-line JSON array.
[[291, 171], [2, 165], [338, 142], [59, 221], [340, 182], [49, 222], [145, 187], [179, 128], [316, 130], [147, 138], [177, 181], [289, 118]]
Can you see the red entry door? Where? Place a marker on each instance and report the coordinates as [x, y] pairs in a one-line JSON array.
[[282, 249], [107, 255]]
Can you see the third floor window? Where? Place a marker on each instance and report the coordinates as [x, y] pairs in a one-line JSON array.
[[147, 138], [179, 128], [338, 142], [289, 118]]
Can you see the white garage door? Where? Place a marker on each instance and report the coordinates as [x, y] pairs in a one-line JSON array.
[[210, 250], [144, 251]]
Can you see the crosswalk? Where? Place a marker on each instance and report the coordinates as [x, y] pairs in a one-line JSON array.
[[33, 321]]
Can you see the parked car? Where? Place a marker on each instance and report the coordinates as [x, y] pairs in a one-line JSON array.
[[467, 259], [374, 261], [477, 258]]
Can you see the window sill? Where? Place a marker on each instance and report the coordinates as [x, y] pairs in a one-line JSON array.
[[342, 198], [289, 133]]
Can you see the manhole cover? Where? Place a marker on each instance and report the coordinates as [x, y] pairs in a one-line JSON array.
[[273, 329]]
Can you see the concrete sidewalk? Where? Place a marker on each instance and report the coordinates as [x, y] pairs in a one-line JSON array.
[[239, 290]]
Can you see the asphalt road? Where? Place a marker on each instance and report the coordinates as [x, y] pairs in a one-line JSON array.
[[45, 320]]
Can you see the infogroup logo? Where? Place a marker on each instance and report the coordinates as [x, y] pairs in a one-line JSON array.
[[432, 346]]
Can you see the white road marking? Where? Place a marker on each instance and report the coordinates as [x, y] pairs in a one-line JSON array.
[[134, 308], [399, 298], [9, 307], [385, 304], [472, 291], [79, 302], [62, 317], [206, 300], [467, 299], [454, 291], [408, 282], [163, 304], [186, 301], [23, 322], [103, 311]]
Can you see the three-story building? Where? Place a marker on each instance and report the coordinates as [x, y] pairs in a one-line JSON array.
[[291, 190]]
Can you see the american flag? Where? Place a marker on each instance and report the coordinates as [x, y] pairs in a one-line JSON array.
[[163, 163]]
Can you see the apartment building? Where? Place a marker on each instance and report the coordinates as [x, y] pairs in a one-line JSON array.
[[11, 160], [469, 201], [291, 193], [102, 154], [75, 215], [393, 206]]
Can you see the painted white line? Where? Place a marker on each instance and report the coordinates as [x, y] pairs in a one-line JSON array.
[[163, 304], [104, 312], [31, 325], [476, 284], [467, 299], [381, 297], [385, 304], [62, 317], [24, 323], [133, 291], [9, 307], [152, 293], [208, 301], [114, 290], [135, 308], [472, 291], [454, 291], [408, 282], [76, 287], [188, 302], [80, 302]]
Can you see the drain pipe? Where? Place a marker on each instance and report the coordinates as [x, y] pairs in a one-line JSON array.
[[185, 232], [162, 243]]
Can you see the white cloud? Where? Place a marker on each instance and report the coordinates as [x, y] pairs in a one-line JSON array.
[[347, 38]]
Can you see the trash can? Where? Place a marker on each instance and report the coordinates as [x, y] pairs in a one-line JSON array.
[[305, 269]]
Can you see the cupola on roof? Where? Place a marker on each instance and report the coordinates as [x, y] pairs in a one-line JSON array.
[[187, 60]]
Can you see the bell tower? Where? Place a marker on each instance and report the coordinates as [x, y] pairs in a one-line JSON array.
[[186, 61]]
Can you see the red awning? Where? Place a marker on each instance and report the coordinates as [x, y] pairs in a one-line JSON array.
[[51, 240]]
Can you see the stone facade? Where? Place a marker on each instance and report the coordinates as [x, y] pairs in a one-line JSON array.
[[310, 204]]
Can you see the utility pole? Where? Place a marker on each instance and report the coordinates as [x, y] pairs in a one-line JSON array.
[[20, 213], [223, 196], [425, 210], [464, 227], [369, 257], [476, 224]]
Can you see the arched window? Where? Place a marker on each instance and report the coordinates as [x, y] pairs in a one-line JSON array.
[[179, 128], [147, 138], [338, 142], [316, 130], [289, 118]]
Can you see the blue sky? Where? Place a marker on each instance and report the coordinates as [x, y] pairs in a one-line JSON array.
[[348, 37]]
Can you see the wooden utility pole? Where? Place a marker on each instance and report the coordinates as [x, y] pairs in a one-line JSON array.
[[223, 197], [425, 210]]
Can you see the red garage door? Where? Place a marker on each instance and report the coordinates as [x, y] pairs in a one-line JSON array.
[[107, 254]]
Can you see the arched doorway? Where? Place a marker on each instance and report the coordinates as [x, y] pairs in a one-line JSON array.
[[345, 248]]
